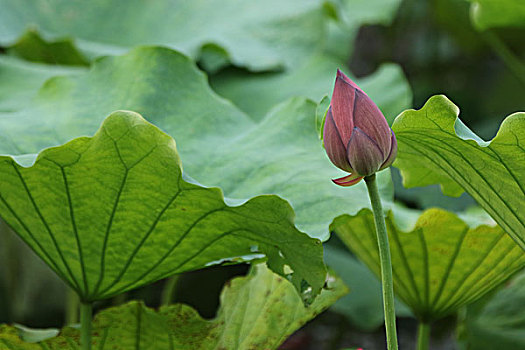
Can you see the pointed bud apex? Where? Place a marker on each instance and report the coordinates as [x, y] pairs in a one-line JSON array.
[[356, 135]]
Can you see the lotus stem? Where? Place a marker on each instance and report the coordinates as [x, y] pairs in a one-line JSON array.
[[169, 290], [423, 336], [86, 310], [386, 263], [507, 56]]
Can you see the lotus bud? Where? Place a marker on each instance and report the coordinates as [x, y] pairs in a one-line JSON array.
[[356, 135]]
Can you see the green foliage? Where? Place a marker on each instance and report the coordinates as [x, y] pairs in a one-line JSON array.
[[500, 324], [258, 311], [436, 147], [219, 145], [253, 34], [261, 36], [441, 263], [497, 13], [113, 212]]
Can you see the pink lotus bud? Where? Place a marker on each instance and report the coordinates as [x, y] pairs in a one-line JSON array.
[[356, 136]]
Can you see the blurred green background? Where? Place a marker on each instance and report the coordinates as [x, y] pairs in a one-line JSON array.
[[441, 52]]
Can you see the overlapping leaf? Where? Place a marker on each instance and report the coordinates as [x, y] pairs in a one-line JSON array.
[[112, 212], [258, 311], [314, 76], [500, 324], [32, 47], [257, 35], [497, 13], [439, 265], [294, 38], [219, 145], [436, 147], [257, 93], [20, 80]]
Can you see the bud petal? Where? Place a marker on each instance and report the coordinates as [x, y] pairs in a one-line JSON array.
[[335, 148], [356, 134], [348, 180], [342, 105], [364, 155], [368, 118], [393, 153]]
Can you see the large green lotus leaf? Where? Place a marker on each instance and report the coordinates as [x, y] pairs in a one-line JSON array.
[[283, 155], [164, 84], [259, 35], [257, 93], [500, 324], [258, 311], [113, 212], [20, 80], [441, 263], [219, 144], [436, 147], [497, 13]]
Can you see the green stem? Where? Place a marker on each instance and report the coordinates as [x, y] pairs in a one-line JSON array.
[[507, 56], [72, 306], [423, 336], [386, 263], [169, 290], [85, 325]]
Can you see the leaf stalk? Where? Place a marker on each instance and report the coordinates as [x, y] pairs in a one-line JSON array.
[[86, 310], [513, 63], [72, 306], [423, 336]]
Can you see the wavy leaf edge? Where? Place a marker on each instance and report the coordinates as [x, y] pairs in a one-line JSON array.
[[458, 128], [308, 291]]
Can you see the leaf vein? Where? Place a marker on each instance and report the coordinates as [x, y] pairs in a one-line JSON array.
[[51, 235]]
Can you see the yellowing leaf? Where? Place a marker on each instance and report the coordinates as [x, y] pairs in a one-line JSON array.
[[441, 264], [258, 311]]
